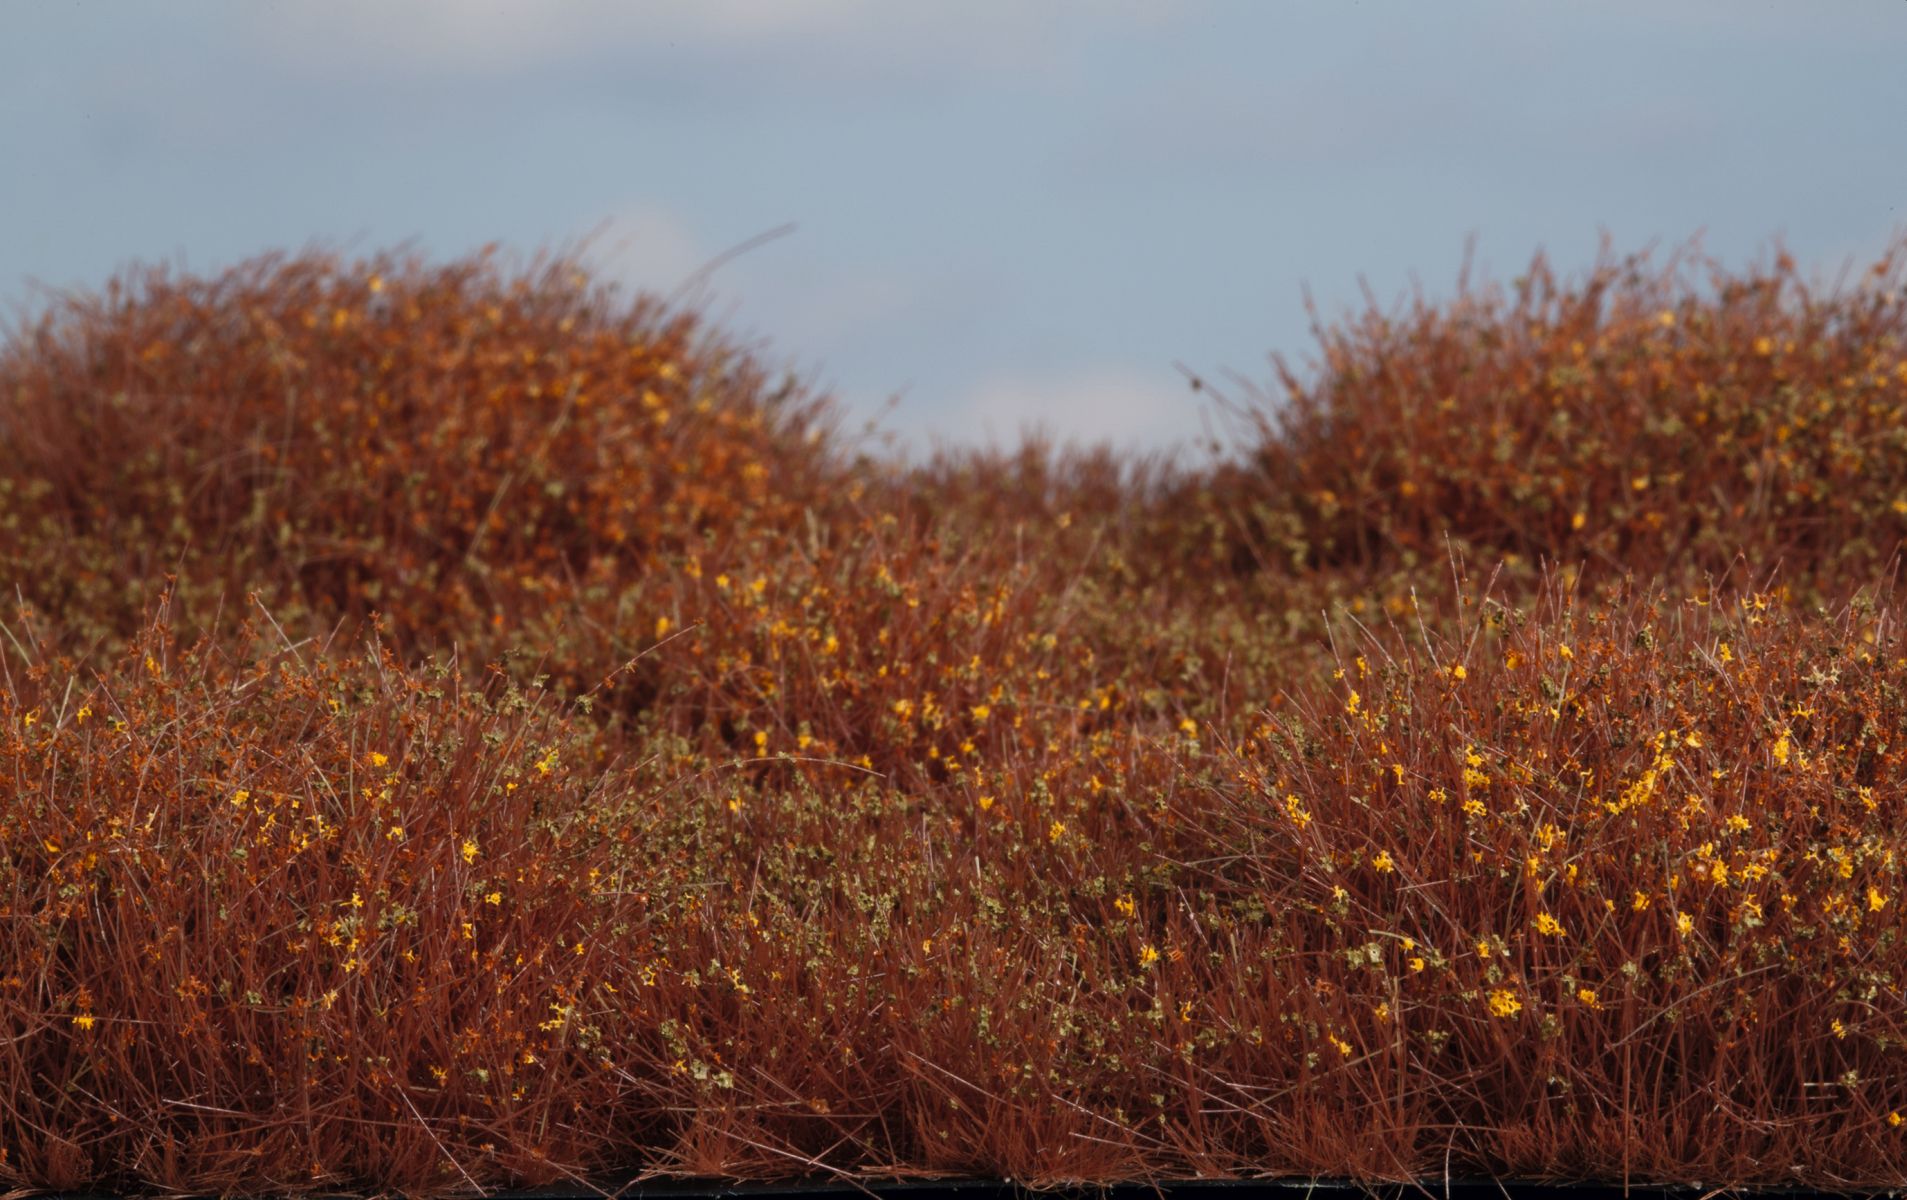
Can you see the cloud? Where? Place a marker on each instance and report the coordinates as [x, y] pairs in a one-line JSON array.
[[486, 37], [1128, 407]]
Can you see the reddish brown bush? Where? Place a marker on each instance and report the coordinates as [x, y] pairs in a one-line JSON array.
[[1630, 862], [1635, 420], [1612, 891], [704, 801], [305, 919], [453, 447]]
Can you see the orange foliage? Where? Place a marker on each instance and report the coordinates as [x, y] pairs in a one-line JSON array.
[[457, 731]]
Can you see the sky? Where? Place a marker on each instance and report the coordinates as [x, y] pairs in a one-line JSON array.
[[972, 218]]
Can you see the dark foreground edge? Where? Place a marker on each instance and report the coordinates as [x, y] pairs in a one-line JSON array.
[[1213, 1189]]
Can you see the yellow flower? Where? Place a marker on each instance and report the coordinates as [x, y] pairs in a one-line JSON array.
[[1417, 964], [981, 712], [1781, 748], [985, 803], [1894, 1118], [240, 797], [1483, 949], [1587, 996], [1684, 922], [1351, 705], [663, 625], [83, 1021], [470, 850], [1147, 955], [378, 759], [1875, 901], [1126, 905], [1343, 1047], [1295, 809], [1640, 902], [1578, 520], [1840, 1030], [1547, 924], [1055, 831], [493, 898], [1188, 727], [1458, 673], [1383, 862], [1504, 1003]]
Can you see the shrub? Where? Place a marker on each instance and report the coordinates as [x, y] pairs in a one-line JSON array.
[[566, 791], [1629, 421], [1608, 890], [451, 447], [275, 921]]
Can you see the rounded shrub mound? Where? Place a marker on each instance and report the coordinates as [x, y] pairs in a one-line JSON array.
[[449, 446], [1639, 419]]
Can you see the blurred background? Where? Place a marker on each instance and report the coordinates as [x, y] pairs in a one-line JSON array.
[[1005, 215]]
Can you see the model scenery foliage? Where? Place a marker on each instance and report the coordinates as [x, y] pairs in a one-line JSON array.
[[460, 728]]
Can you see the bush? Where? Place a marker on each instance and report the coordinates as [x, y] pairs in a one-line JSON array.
[[452, 448], [1630, 421], [557, 758]]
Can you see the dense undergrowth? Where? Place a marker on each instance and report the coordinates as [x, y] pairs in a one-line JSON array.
[[460, 729]]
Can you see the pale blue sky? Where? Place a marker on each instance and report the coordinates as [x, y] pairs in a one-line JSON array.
[[1007, 211]]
